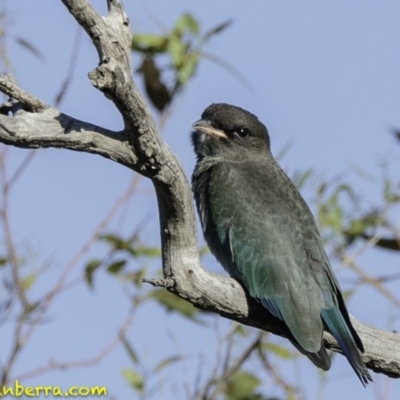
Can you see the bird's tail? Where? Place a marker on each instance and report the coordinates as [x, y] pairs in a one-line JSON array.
[[339, 328], [320, 359]]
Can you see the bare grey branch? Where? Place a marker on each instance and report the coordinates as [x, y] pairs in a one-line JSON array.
[[9, 87]]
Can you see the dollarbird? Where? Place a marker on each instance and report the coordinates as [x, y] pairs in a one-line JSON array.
[[262, 232]]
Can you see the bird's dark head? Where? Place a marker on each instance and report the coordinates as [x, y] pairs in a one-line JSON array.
[[227, 131]]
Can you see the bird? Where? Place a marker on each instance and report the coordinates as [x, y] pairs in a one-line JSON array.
[[262, 232]]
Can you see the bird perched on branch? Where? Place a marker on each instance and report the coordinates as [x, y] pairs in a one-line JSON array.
[[261, 230]]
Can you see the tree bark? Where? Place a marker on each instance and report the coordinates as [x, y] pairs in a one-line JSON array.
[[27, 122]]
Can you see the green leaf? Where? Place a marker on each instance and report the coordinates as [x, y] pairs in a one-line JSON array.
[[241, 330], [176, 50], [356, 228], [388, 193], [120, 244], [156, 89], [335, 218], [283, 151], [28, 281], [242, 386], [129, 349], [186, 22], [279, 351], [187, 68], [3, 261], [30, 47], [217, 29], [347, 189], [149, 43], [90, 268], [387, 188], [385, 243], [299, 181], [174, 303], [32, 307], [137, 277], [116, 267], [166, 362], [323, 186], [116, 241], [134, 379], [149, 252]]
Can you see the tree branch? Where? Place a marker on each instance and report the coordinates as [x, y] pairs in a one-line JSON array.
[[48, 127], [33, 124]]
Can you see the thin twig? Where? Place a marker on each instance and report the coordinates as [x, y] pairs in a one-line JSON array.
[[277, 377], [221, 380], [8, 237], [75, 259], [53, 365], [73, 62], [21, 168], [15, 349], [376, 283]]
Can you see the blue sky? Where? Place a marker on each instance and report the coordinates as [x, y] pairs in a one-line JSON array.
[[324, 77]]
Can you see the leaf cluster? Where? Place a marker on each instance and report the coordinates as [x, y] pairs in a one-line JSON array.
[[176, 53]]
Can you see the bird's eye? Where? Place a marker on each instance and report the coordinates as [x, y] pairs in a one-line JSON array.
[[243, 132]]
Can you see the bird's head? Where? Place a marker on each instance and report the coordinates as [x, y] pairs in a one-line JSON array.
[[229, 132]]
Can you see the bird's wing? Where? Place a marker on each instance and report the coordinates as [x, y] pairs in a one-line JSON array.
[[274, 247]]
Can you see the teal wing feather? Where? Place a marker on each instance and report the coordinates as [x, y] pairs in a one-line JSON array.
[[266, 240], [342, 333]]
